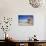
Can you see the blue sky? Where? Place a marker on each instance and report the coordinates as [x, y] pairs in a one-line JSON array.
[[20, 17]]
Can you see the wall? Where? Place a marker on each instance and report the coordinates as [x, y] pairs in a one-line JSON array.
[[13, 8]]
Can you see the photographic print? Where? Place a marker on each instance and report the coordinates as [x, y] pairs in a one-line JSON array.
[[25, 20]]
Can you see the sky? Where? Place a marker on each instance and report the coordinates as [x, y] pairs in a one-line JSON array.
[[22, 17]]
